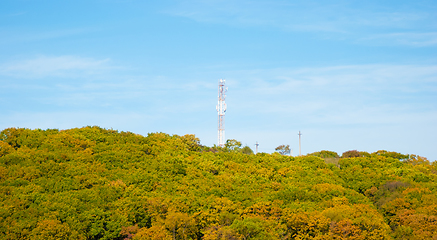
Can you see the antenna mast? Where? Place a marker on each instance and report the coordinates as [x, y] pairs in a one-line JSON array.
[[300, 153], [221, 109]]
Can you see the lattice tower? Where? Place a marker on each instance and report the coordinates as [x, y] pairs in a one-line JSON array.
[[221, 109]]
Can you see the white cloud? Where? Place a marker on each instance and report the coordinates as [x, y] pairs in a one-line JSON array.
[[265, 105], [339, 108], [423, 39], [337, 95], [340, 20], [128, 121], [377, 77], [54, 66], [13, 36]]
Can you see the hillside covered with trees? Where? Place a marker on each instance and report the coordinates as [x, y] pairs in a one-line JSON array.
[[94, 183]]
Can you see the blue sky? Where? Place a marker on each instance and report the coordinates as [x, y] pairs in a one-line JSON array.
[[348, 74]]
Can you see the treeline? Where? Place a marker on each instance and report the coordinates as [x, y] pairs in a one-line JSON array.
[[94, 183]]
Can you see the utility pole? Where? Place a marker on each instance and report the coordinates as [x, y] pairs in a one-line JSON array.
[[257, 144], [221, 109], [300, 151]]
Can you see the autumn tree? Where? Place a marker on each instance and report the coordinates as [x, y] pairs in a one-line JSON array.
[[354, 153], [95, 183]]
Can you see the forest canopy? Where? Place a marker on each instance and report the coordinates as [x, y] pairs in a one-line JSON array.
[[95, 183]]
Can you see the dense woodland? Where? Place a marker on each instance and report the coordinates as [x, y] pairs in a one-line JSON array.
[[94, 183]]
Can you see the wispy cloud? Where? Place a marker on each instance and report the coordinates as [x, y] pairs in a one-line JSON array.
[[423, 39], [355, 105], [345, 20], [358, 99], [77, 118], [54, 66], [351, 94], [77, 82], [13, 36], [346, 77]]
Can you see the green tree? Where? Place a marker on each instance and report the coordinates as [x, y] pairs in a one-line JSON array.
[[181, 225], [354, 153], [325, 154], [246, 150], [250, 228], [232, 144], [283, 149], [93, 183], [54, 229]]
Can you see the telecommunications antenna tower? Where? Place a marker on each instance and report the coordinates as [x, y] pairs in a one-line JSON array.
[[221, 109]]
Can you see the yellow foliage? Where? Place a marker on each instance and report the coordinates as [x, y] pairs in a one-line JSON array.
[[345, 229], [180, 224], [423, 226], [153, 233], [53, 230], [217, 232], [327, 187], [118, 184], [366, 218], [5, 148]]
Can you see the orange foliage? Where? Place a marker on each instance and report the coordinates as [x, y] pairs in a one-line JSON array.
[[153, 233]]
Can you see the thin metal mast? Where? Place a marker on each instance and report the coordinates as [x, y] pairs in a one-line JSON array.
[[300, 152], [221, 109]]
